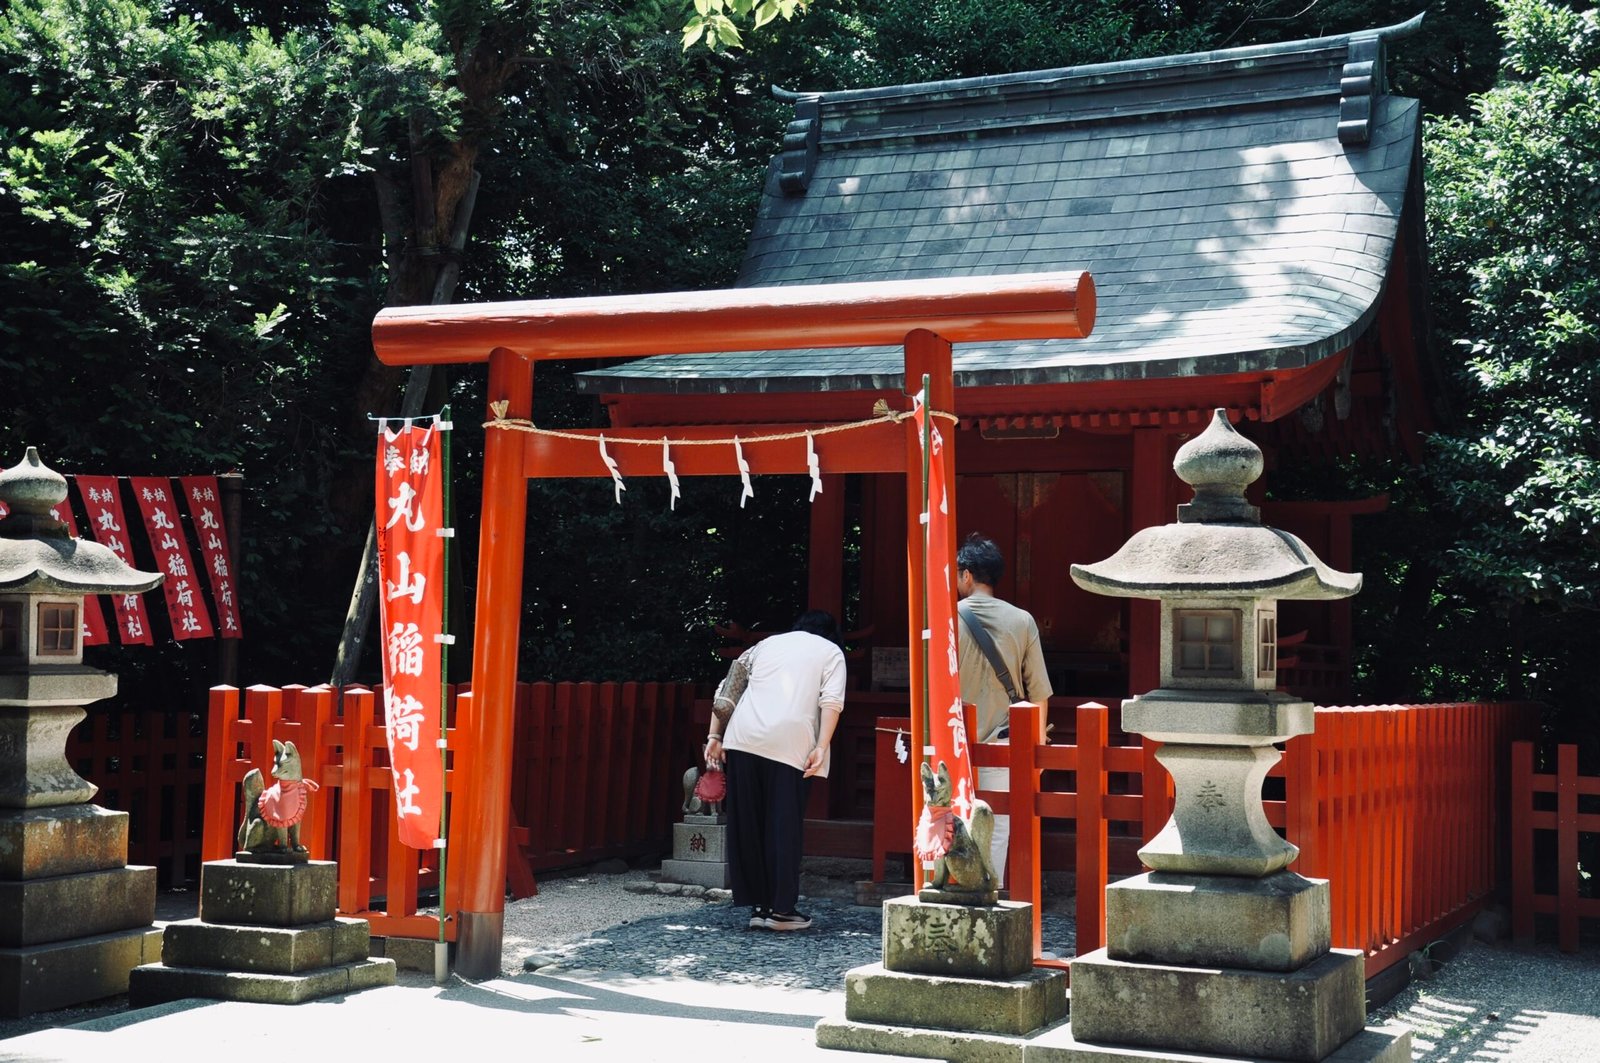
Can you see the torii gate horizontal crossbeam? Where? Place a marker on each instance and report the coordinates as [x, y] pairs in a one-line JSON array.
[[1024, 306]]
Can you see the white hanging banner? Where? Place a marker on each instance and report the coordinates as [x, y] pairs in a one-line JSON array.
[[611, 464], [746, 491], [814, 467], [671, 470]]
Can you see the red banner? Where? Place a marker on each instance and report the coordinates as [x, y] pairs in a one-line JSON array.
[[94, 620], [947, 728], [205, 510], [102, 508], [185, 606], [410, 508]]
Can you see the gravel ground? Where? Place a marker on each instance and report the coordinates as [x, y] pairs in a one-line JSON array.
[[1503, 1002], [1489, 1004]]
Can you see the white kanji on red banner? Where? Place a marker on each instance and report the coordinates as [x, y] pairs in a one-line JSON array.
[[94, 621], [410, 508], [102, 509], [185, 605], [205, 511]]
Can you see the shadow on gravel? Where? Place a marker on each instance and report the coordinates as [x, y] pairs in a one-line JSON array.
[[538, 994], [716, 944]]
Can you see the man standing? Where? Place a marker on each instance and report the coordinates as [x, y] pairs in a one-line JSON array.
[[1001, 663]]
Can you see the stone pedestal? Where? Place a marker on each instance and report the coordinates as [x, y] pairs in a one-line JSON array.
[[266, 934], [74, 918], [699, 852], [957, 983]]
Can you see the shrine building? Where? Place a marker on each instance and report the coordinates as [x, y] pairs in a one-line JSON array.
[[1253, 221]]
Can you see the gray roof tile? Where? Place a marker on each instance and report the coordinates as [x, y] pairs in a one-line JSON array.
[[1223, 235]]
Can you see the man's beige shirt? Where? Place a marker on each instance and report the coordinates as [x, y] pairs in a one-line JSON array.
[[1016, 636]]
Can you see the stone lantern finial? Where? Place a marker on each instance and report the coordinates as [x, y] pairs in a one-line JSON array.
[[30, 489], [1219, 464]]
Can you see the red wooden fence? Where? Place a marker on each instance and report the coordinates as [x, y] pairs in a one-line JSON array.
[[1568, 821], [150, 764], [594, 778], [1401, 807]]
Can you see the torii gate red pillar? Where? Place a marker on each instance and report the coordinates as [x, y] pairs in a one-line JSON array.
[[502, 533], [925, 316]]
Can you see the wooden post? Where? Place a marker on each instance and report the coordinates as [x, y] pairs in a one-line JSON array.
[[217, 829], [1567, 847], [480, 846], [1026, 881], [1147, 508], [355, 805], [1093, 734]]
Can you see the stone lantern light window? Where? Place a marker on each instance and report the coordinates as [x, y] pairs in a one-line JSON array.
[[1206, 643], [1266, 644], [58, 629]]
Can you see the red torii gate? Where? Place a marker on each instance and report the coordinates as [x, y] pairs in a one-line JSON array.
[[924, 317]]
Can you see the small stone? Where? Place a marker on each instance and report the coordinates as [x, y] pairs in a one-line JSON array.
[[692, 890], [669, 889], [1490, 925], [640, 887], [718, 894], [537, 960]]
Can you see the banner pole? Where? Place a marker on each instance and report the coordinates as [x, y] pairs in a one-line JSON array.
[[441, 948], [927, 524]]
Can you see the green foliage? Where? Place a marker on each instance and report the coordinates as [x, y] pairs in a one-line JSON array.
[[205, 203], [715, 23], [1515, 220]]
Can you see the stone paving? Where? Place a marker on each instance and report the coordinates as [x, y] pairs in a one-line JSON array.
[[715, 944]]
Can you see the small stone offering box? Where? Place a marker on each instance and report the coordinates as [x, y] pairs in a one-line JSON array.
[[699, 852]]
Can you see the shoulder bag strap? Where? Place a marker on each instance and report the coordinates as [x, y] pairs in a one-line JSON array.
[[985, 641]]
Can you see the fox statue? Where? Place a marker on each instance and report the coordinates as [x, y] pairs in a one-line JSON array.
[[958, 848], [272, 814]]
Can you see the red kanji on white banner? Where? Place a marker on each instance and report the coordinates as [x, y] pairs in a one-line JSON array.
[[947, 729], [185, 605], [410, 512], [102, 508], [205, 510]]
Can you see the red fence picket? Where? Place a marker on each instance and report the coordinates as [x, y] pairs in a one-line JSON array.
[[152, 766], [1401, 807], [593, 778], [1568, 821]]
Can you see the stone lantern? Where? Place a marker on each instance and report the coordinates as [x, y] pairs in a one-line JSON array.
[[74, 918], [1220, 949]]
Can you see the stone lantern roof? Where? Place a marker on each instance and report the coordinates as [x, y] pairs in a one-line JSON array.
[[1218, 547], [37, 556]]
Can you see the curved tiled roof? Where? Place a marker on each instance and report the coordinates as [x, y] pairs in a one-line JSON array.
[[1237, 209]]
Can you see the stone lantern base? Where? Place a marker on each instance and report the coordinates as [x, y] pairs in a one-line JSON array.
[[1202, 967], [74, 918]]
